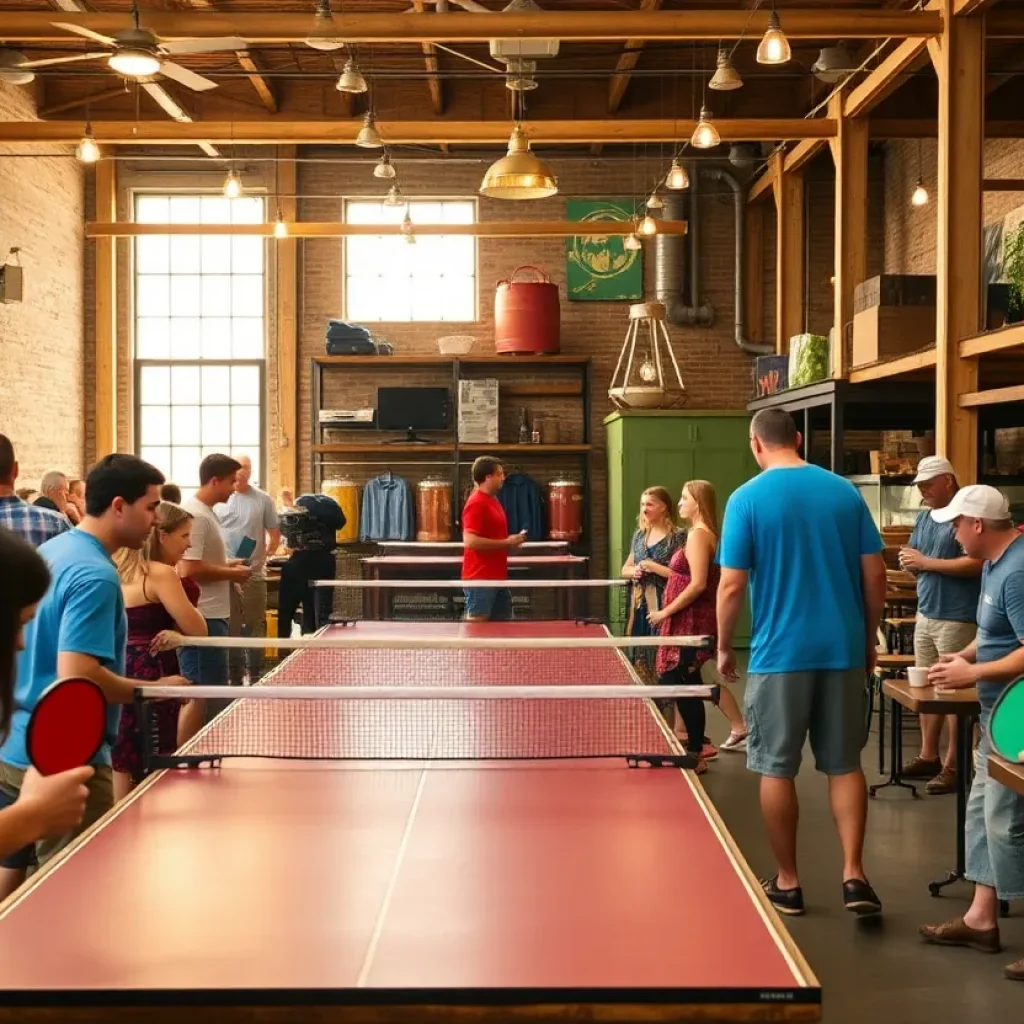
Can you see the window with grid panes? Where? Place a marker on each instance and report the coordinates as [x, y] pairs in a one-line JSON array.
[[199, 335], [389, 279]]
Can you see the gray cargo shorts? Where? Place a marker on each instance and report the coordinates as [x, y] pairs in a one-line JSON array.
[[783, 708]]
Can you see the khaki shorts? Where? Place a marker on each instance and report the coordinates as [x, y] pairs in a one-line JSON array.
[[935, 637], [99, 801]]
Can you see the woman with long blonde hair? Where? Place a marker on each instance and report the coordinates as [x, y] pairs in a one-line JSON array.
[[689, 610], [655, 542], [156, 599]]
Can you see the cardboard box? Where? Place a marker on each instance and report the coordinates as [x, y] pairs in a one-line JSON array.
[[478, 412], [880, 332]]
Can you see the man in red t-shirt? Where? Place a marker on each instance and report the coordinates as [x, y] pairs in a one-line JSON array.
[[486, 543]]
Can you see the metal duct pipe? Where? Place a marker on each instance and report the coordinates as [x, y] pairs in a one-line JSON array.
[[739, 198], [670, 253]]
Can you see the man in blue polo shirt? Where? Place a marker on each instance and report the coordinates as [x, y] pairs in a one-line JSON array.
[[805, 540], [995, 814], [80, 629]]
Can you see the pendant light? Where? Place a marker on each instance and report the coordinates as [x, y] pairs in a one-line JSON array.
[[919, 197], [774, 46], [280, 227], [677, 178], [705, 135], [351, 79], [87, 151], [232, 185], [369, 137], [632, 242], [406, 228], [519, 174], [395, 197], [384, 168], [322, 36], [726, 77], [655, 202], [648, 226]]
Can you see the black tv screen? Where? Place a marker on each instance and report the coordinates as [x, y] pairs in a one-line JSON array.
[[412, 408]]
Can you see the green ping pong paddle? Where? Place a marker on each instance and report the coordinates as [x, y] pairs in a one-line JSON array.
[[1006, 726]]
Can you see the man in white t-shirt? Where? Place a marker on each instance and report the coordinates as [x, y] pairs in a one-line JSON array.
[[206, 562], [249, 523]]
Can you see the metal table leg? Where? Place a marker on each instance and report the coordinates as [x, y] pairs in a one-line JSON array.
[[895, 756], [964, 771]]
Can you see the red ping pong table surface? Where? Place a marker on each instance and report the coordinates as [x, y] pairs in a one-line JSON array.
[[296, 890]]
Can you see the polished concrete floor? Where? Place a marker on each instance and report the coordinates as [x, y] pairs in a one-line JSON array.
[[877, 972]]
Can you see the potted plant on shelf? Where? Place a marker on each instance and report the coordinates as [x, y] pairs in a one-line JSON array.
[[1013, 271]]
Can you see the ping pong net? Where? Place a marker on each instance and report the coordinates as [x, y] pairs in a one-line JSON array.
[[429, 699]]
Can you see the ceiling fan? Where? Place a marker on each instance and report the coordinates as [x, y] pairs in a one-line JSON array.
[[136, 53]]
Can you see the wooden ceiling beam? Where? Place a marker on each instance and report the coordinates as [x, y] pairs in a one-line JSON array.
[[568, 26], [81, 101], [334, 132], [883, 80], [627, 61], [434, 85], [311, 229]]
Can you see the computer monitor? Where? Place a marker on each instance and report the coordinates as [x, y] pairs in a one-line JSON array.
[[412, 409]]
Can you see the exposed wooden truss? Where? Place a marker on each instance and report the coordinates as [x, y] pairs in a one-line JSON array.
[[457, 27], [434, 84], [626, 62]]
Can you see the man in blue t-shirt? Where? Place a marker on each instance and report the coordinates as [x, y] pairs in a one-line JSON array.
[[995, 814], [80, 630], [804, 540], [947, 600]]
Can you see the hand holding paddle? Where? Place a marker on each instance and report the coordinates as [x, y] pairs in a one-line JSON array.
[[55, 803]]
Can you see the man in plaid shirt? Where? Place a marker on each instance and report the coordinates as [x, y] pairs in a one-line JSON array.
[[33, 524]]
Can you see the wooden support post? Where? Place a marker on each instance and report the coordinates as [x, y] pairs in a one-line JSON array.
[[282, 437], [850, 154], [789, 252], [958, 258], [105, 334], [754, 298]]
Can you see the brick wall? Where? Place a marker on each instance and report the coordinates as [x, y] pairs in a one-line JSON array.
[[41, 338]]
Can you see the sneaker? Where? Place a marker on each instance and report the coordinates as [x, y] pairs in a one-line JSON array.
[[786, 901], [1014, 971], [860, 898], [957, 933], [920, 768], [944, 782], [709, 752], [736, 743]]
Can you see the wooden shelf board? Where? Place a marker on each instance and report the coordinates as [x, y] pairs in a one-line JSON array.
[[527, 449], [993, 341], [994, 396], [357, 361], [439, 360], [384, 449], [541, 390], [921, 360]]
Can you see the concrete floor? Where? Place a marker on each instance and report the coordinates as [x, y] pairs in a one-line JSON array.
[[877, 972]]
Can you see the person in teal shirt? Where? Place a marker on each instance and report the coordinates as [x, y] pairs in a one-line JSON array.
[[80, 630], [805, 540]]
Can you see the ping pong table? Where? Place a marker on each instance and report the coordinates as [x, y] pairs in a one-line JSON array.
[[376, 892]]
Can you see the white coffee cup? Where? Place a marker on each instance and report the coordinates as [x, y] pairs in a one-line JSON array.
[[917, 676]]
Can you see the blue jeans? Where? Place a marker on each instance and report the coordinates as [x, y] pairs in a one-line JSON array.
[[207, 666], [494, 603], [995, 819]]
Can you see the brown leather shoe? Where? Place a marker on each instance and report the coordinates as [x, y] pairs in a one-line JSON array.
[[957, 933], [1014, 971], [919, 768], [944, 782]]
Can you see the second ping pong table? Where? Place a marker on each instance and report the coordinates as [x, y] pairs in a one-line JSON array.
[[292, 890]]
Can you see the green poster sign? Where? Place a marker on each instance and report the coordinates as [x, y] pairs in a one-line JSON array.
[[601, 268]]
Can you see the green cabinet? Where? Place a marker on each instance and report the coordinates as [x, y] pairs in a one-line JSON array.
[[648, 448]]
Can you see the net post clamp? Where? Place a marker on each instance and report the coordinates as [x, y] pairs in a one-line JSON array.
[[662, 760]]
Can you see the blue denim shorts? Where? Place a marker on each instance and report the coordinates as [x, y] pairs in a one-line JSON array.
[[207, 666], [492, 603]]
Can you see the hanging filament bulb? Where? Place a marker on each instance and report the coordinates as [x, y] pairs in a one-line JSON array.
[[232, 185], [632, 242], [648, 226], [705, 135], [774, 47], [655, 202], [677, 178], [406, 229], [87, 151], [394, 197], [648, 371], [280, 227], [920, 195]]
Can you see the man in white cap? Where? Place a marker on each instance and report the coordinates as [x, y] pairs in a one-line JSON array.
[[947, 600], [995, 813]]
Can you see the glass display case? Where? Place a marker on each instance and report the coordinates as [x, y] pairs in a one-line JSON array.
[[893, 500]]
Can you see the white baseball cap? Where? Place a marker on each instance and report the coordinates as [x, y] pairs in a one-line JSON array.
[[931, 467], [979, 501]]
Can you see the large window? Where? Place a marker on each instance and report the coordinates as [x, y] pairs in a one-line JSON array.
[[199, 335], [387, 278]]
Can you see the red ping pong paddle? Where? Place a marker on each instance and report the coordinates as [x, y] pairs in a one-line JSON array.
[[67, 726]]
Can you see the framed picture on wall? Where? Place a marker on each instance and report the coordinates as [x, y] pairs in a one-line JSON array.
[[600, 268]]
